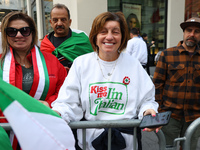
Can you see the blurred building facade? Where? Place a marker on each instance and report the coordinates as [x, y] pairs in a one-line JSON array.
[[160, 19]]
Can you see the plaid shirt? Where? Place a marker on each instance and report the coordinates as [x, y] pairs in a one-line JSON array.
[[177, 82]]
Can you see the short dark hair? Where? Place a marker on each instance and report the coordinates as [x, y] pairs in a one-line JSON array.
[[134, 31], [144, 35], [61, 6]]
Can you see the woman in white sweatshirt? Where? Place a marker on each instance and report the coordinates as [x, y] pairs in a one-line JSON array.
[[106, 84]]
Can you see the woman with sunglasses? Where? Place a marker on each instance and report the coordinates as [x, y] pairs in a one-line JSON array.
[[23, 65]]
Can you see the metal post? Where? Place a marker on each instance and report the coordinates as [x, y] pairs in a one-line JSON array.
[[134, 138], [109, 138], [189, 132], [162, 141], [39, 18], [29, 11], [84, 139]]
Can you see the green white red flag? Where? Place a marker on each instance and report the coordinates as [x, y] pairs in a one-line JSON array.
[[36, 126], [4, 140]]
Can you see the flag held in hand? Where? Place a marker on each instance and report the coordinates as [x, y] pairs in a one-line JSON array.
[[35, 125]]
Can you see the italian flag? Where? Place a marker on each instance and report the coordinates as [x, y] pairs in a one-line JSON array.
[[4, 140], [36, 126]]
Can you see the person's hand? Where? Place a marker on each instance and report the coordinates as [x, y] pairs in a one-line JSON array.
[[67, 69], [57, 112], [45, 103], [152, 129], [153, 114]]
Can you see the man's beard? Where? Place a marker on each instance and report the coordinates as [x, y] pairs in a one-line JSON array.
[[190, 43]]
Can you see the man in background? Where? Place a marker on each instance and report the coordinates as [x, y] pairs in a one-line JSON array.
[[137, 47], [177, 83], [66, 44], [145, 38]]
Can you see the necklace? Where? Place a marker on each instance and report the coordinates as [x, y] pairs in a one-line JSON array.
[[22, 64], [109, 73]]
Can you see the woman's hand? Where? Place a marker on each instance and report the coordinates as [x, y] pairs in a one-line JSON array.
[[57, 112], [45, 103], [152, 129], [153, 114]]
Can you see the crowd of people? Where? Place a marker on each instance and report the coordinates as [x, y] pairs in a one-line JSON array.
[[90, 78]]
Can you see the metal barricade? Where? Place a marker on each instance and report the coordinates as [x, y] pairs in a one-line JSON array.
[[187, 138], [128, 123], [6, 126], [188, 134], [107, 124], [114, 124]]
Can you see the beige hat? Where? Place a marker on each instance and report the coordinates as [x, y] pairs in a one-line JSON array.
[[194, 21]]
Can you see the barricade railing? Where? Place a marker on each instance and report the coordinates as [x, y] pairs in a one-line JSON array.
[[128, 123], [188, 135], [108, 124], [189, 132]]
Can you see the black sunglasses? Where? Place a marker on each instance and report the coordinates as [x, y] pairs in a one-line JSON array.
[[12, 32]]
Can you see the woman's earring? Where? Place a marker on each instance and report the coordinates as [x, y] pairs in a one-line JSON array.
[[118, 51]]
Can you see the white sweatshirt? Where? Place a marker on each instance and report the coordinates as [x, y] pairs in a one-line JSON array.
[[137, 48], [86, 92]]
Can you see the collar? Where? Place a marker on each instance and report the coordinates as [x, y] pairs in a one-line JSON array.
[[182, 49]]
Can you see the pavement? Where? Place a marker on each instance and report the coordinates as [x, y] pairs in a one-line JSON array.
[[149, 139]]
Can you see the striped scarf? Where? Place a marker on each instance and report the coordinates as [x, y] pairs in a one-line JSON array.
[[40, 84]]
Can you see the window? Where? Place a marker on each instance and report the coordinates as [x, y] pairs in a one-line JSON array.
[[192, 8], [152, 18]]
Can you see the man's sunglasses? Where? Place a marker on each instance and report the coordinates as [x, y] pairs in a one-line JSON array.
[[12, 32]]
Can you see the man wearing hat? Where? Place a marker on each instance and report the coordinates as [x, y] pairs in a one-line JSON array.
[[177, 83]]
